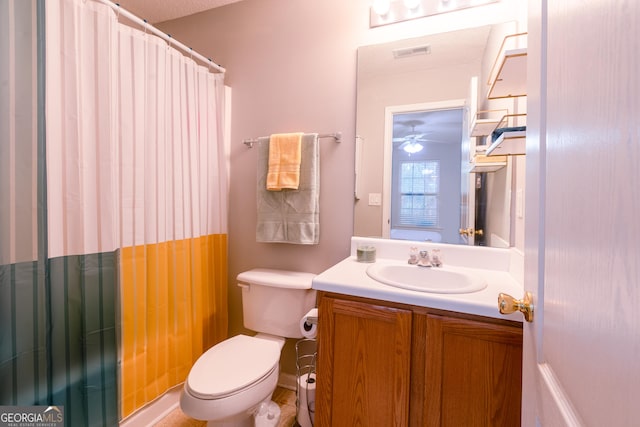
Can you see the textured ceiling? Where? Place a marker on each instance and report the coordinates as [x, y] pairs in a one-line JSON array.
[[155, 11]]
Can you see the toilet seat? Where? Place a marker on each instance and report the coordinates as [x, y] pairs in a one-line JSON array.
[[231, 366]]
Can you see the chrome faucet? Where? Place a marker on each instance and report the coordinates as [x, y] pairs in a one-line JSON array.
[[424, 260]]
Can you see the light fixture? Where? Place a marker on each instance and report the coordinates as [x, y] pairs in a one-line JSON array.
[[413, 147], [385, 12], [411, 4], [381, 7], [410, 143]]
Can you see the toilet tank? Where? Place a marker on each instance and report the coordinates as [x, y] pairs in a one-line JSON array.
[[274, 301]]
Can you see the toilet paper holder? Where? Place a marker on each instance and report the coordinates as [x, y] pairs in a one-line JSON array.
[[309, 324], [306, 356]]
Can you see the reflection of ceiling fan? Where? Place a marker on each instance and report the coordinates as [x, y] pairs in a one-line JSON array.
[[411, 142]]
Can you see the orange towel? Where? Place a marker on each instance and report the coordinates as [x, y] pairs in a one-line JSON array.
[[284, 161]]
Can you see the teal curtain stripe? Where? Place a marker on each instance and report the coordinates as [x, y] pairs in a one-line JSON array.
[[84, 347], [39, 333], [22, 336], [98, 328], [14, 346], [83, 335]]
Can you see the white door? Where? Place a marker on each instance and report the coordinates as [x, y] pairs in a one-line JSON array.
[[582, 351]]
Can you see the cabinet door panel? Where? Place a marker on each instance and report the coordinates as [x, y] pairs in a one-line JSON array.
[[363, 365], [473, 373]]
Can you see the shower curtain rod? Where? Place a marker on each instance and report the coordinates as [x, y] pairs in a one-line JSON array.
[[337, 136], [173, 42]]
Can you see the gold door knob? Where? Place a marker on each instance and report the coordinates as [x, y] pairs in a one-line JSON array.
[[470, 232], [508, 304]]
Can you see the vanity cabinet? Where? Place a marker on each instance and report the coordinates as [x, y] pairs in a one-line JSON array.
[[388, 364], [364, 361], [470, 372]]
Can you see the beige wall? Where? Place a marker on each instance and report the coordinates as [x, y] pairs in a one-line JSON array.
[[292, 66]]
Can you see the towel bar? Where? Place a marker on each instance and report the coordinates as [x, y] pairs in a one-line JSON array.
[[337, 136]]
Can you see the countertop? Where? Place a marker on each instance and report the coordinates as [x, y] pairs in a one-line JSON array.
[[350, 277]]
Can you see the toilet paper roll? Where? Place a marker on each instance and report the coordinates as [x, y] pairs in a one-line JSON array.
[[309, 324], [306, 399]]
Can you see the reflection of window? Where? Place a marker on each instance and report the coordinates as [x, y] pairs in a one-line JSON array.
[[419, 192]]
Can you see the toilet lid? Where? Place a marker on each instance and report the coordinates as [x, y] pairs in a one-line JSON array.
[[232, 365]]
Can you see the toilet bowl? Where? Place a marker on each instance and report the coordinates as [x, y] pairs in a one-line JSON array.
[[229, 382]]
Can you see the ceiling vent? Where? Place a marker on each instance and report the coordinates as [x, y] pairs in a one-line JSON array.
[[411, 51]]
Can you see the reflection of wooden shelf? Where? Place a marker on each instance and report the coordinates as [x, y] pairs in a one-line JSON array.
[[509, 143], [482, 163], [485, 126], [509, 74]]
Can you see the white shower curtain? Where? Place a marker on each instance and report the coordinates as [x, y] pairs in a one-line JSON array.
[[173, 214], [136, 165]]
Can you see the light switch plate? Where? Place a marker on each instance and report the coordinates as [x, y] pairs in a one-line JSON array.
[[375, 199]]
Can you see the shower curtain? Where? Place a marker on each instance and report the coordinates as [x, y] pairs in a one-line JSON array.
[[118, 258], [25, 371]]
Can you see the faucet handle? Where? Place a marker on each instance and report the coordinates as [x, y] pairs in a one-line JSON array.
[[413, 255], [436, 258]]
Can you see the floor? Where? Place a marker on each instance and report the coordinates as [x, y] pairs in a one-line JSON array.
[[285, 398]]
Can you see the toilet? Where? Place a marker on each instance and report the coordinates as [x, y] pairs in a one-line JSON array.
[[235, 379]]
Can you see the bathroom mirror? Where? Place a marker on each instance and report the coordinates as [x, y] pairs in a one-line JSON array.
[[399, 85]]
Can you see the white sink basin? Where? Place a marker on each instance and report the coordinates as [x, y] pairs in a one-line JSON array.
[[442, 280]]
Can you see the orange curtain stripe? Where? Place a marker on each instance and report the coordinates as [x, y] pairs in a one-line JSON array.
[[174, 307]]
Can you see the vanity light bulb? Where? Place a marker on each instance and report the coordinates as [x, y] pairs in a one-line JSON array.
[[381, 7], [411, 4]]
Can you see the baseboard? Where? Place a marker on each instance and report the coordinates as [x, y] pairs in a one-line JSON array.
[[287, 381], [154, 412]]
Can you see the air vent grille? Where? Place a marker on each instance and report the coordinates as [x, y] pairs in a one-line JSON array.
[[411, 51]]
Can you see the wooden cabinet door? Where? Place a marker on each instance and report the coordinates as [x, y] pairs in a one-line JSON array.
[[473, 373], [363, 364]]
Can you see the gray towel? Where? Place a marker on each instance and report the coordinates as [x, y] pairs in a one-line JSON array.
[[290, 216]]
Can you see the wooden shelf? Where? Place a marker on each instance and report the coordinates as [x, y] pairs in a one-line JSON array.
[[482, 163], [509, 73], [488, 167], [484, 127], [509, 143]]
